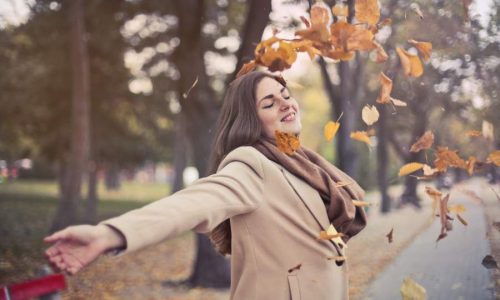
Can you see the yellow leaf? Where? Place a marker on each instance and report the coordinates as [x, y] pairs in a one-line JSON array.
[[494, 158], [425, 48], [412, 66], [456, 208], [361, 136], [369, 114], [336, 236], [367, 11], [410, 168], [410, 290], [385, 90], [286, 142], [330, 130]]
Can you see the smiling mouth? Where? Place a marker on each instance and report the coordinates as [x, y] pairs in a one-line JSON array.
[[289, 117]]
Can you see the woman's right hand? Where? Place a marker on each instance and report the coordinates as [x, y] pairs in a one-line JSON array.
[[77, 246]]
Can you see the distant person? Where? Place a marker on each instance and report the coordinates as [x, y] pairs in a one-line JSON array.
[[260, 205]]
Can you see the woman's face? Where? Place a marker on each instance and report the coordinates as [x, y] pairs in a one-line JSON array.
[[276, 109]]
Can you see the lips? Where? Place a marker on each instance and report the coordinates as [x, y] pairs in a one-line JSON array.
[[288, 117]]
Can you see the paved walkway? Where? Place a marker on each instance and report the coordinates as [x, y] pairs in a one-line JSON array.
[[450, 269]]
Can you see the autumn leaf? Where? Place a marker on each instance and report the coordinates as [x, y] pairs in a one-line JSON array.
[[410, 290], [471, 163], [424, 48], [473, 133], [325, 236], [424, 142], [318, 29], [369, 114], [389, 235], [494, 157], [456, 208], [385, 90], [330, 130], [247, 68], [361, 136], [381, 54], [410, 168], [347, 37], [443, 216], [428, 171], [275, 54], [359, 203], [435, 196], [446, 158], [367, 11], [286, 142], [340, 10], [336, 236], [412, 66], [337, 258], [306, 46]]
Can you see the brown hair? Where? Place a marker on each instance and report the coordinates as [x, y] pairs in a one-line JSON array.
[[238, 125]]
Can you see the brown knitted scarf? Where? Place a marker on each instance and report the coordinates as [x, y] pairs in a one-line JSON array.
[[323, 176]]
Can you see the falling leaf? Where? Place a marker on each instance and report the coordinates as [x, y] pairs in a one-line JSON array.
[[337, 258], [306, 46], [286, 142], [410, 290], [275, 54], [389, 235], [489, 262], [462, 220], [416, 9], [325, 236], [361, 136], [435, 196], [359, 203], [340, 10], [412, 66], [456, 208], [296, 268], [428, 171], [473, 133], [443, 216], [385, 90], [185, 95], [330, 130], [367, 11], [381, 54], [247, 68], [425, 48], [447, 158], [397, 102], [410, 168], [369, 114], [424, 142], [320, 20], [471, 163], [494, 157], [336, 236], [488, 131]]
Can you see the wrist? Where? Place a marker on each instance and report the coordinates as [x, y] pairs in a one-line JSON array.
[[112, 239]]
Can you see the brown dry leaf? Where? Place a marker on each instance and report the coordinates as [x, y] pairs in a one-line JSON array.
[[488, 131], [424, 142], [494, 157], [410, 168], [247, 68], [369, 114], [361, 40], [275, 54], [318, 29], [297, 267], [306, 46], [410, 290], [425, 48], [385, 90], [340, 10], [367, 11], [443, 216], [361, 136], [330, 130], [360, 203], [389, 235], [473, 133], [287, 142], [412, 66], [381, 54], [446, 158], [462, 220]]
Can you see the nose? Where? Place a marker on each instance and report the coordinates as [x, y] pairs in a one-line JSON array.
[[284, 105]]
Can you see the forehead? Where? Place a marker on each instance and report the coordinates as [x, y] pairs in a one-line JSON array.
[[267, 86]]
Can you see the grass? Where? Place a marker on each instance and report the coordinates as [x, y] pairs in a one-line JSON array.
[[26, 211]]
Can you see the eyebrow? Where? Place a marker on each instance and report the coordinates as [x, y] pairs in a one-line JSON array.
[[271, 95]]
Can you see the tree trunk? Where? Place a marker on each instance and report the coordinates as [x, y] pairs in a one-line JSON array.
[[382, 159], [112, 177], [92, 199], [180, 154], [67, 210]]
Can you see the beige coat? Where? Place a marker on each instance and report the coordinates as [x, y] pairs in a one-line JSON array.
[[275, 221]]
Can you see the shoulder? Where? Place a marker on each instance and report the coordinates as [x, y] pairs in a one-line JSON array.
[[248, 156]]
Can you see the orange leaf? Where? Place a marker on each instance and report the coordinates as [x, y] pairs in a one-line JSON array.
[[320, 14], [246, 68], [424, 142], [286, 142], [320, 19], [361, 136], [330, 130], [471, 162], [446, 158], [276, 58], [385, 90], [381, 54], [412, 65], [410, 168], [473, 133], [494, 157], [340, 10], [425, 48], [367, 11], [306, 46]]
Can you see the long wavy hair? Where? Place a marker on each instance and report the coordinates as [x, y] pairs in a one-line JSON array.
[[238, 125]]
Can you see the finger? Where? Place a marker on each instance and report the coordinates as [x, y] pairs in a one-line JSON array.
[[52, 251], [59, 235]]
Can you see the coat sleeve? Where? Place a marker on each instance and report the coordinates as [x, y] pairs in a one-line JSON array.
[[236, 188]]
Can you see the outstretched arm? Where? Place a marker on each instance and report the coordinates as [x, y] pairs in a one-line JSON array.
[[77, 246]]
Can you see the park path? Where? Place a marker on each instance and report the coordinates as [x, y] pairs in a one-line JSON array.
[[449, 269]]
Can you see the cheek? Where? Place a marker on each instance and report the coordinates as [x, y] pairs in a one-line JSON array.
[[268, 121]]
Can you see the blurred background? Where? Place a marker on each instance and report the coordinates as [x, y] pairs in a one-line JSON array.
[[108, 105]]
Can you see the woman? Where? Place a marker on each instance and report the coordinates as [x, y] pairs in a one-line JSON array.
[[264, 207]]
